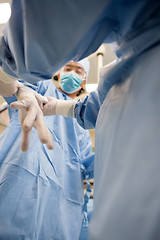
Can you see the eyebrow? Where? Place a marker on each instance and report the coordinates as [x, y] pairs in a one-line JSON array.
[[70, 65]]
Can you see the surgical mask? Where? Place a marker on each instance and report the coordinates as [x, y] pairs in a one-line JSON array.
[[70, 82]]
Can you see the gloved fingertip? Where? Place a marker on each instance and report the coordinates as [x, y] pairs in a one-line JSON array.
[[12, 105], [24, 148], [43, 140], [50, 147]]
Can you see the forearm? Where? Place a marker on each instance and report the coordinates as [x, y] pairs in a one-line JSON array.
[[8, 84], [85, 111], [7, 90]]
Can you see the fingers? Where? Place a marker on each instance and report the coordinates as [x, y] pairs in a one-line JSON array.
[[49, 140], [46, 106], [29, 119], [43, 132], [25, 140], [49, 98], [41, 98], [22, 104], [31, 115]]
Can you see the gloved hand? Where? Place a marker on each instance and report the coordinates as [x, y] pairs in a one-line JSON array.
[[30, 115], [7, 90], [8, 84], [49, 108], [59, 107]]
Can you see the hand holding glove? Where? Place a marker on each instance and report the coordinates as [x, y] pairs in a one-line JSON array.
[[59, 107], [31, 115]]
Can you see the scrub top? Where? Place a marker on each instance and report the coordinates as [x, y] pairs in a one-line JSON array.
[[124, 110], [41, 190]]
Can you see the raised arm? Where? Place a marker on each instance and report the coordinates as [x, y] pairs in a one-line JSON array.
[[30, 114], [85, 111]]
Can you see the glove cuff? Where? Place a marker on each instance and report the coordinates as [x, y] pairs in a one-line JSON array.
[[65, 108]]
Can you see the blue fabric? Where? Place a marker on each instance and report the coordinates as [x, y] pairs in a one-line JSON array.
[[26, 52], [84, 231], [126, 177], [41, 191], [127, 166], [86, 110], [35, 53]]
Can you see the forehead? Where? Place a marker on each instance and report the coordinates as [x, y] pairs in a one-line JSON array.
[[74, 65]]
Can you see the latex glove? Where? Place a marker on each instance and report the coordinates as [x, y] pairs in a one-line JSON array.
[[50, 107], [8, 84], [59, 107], [30, 115], [7, 90]]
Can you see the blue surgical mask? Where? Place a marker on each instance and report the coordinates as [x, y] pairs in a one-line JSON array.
[[70, 82]]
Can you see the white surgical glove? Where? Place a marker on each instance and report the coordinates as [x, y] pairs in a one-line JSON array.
[[8, 84], [59, 107], [31, 115]]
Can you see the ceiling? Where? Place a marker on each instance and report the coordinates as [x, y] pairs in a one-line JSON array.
[[108, 57]]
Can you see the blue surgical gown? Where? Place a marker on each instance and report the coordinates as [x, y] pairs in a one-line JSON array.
[[41, 191], [125, 109], [126, 112]]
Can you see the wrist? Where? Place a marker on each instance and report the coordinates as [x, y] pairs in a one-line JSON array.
[[65, 108], [7, 90]]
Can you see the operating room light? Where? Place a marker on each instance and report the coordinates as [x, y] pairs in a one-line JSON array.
[[91, 87], [5, 12]]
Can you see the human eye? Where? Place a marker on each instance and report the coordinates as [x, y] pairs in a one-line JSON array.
[[78, 71], [67, 69]]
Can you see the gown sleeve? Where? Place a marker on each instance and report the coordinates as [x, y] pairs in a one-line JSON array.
[[86, 111]]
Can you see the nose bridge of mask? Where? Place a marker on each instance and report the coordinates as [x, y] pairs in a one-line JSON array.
[[74, 76], [79, 77]]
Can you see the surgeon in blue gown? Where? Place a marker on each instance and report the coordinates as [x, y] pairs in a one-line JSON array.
[[124, 110], [41, 190]]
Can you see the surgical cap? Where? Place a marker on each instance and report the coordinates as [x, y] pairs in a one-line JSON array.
[[85, 64]]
